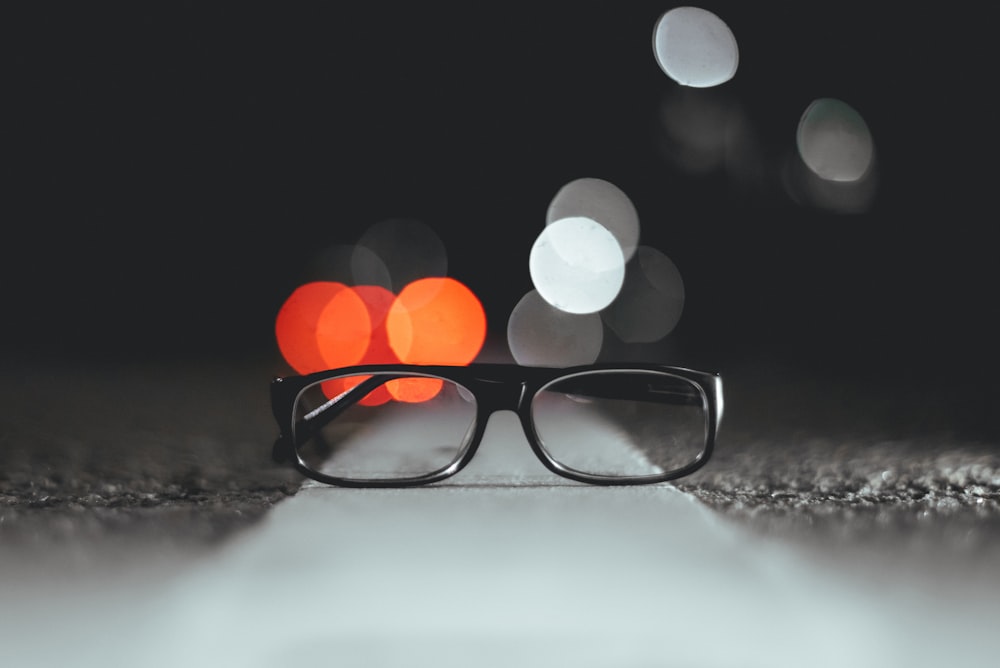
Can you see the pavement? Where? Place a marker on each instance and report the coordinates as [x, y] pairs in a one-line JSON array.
[[142, 522]]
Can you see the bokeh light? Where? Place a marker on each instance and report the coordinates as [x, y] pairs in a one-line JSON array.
[[834, 141], [603, 202], [349, 264], [377, 301], [436, 321], [806, 188], [328, 325], [576, 265], [694, 47], [408, 249], [433, 321], [651, 300], [298, 329], [539, 334], [343, 330]]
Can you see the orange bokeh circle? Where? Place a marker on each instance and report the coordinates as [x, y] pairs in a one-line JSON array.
[[436, 321], [433, 321], [327, 325], [377, 301], [343, 330], [298, 330]]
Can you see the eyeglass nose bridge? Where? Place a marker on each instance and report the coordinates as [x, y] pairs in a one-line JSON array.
[[494, 395]]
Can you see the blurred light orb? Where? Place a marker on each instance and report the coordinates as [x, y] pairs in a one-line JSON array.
[[378, 301], [576, 265], [408, 249], [603, 202], [651, 301], [833, 140], [305, 343], [433, 320], [436, 320], [343, 330], [807, 188], [348, 264], [539, 334], [694, 47]]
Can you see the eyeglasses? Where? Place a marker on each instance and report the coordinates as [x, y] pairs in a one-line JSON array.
[[407, 425]]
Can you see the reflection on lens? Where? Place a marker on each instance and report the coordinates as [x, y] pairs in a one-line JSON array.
[[340, 432], [621, 423]]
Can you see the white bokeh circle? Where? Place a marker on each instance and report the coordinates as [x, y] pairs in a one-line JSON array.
[[651, 301], [603, 202], [540, 335], [834, 141], [577, 265], [695, 47]]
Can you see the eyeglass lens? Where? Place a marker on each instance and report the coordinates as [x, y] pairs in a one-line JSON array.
[[403, 427], [621, 423]]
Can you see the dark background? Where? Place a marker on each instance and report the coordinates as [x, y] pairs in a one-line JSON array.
[[170, 168]]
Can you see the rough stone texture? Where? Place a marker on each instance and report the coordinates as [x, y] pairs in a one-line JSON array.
[[868, 468]]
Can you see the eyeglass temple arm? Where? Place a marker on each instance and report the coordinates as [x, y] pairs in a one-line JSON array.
[[313, 421]]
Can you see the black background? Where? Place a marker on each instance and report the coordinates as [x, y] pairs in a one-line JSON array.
[[172, 167]]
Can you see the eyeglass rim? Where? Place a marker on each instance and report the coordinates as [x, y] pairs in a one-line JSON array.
[[285, 390]]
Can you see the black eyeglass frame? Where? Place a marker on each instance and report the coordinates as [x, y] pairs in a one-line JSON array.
[[495, 387]]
